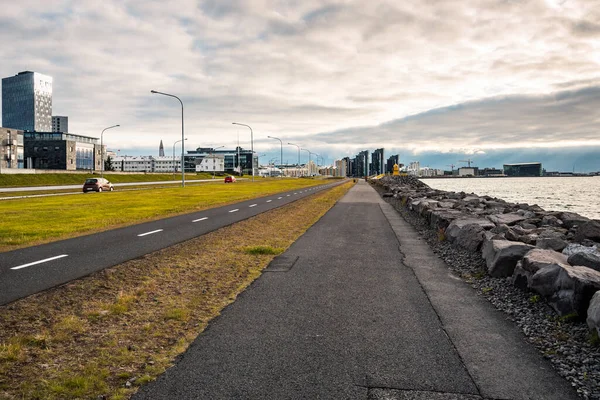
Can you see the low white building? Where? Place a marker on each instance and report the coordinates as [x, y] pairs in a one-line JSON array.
[[146, 164], [212, 163]]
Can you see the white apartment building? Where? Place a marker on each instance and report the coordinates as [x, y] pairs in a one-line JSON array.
[[146, 164]]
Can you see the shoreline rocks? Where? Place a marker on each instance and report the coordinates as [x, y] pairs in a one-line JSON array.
[[540, 267]]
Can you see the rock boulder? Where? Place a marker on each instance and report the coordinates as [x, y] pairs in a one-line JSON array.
[[568, 289], [501, 256], [532, 262], [588, 230], [590, 260], [593, 313]]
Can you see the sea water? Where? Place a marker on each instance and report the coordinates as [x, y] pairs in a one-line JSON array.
[[576, 194]]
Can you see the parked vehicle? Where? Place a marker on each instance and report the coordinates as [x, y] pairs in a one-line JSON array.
[[97, 185], [229, 179]]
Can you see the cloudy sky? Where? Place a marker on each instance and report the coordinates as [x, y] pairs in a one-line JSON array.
[[434, 80]]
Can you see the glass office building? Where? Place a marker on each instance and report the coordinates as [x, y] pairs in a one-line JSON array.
[[27, 102]]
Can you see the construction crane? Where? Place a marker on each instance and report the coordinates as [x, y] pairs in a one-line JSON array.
[[451, 166], [468, 161]]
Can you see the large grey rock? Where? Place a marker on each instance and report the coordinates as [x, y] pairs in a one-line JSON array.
[[549, 239], [508, 219], [470, 237], [501, 256], [570, 219], [551, 220], [532, 262], [441, 218], [573, 248], [593, 313], [590, 260], [453, 230], [568, 289], [588, 230]]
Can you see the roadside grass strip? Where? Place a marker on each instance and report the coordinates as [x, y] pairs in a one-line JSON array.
[[105, 335], [31, 221]]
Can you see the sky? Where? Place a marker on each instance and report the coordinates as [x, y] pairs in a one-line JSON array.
[[436, 81]]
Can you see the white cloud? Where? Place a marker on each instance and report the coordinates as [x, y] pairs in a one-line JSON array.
[[293, 69]]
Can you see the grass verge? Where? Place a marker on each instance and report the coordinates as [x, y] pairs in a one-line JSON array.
[[38, 220], [107, 334], [19, 180]]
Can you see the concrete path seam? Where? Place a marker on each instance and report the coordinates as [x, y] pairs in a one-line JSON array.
[[389, 214]]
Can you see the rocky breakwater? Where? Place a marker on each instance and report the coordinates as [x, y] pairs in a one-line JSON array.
[[552, 254]]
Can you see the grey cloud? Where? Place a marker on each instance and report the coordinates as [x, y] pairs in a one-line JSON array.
[[510, 120]]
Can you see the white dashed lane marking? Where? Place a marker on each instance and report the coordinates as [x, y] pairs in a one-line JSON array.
[[200, 219], [253, 205], [40, 261], [268, 201], [237, 209], [150, 233]]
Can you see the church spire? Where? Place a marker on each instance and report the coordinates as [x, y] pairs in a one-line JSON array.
[[161, 150]]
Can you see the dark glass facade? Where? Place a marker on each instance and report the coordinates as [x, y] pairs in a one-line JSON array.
[[27, 102], [524, 169]]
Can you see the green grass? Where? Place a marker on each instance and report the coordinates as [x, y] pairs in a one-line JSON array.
[[18, 180], [263, 250], [44, 219]]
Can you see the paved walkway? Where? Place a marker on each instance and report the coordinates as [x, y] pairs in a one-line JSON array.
[[359, 308]]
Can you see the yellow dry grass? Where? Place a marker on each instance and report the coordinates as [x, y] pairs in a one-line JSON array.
[[107, 334]]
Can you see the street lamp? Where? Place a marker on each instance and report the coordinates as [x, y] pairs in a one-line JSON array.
[[317, 161], [307, 165], [251, 145], [281, 157], [182, 137], [102, 149], [298, 165], [213, 158], [174, 155]]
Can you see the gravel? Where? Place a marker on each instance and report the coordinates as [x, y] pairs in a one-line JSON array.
[[566, 343]]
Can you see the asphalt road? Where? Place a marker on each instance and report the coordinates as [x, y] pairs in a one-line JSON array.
[[359, 308], [33, 269]]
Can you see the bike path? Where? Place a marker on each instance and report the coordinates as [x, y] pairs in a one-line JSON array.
[[346, 313]]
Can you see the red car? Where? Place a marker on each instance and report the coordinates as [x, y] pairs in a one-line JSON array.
[[97, 185], [229, 179]]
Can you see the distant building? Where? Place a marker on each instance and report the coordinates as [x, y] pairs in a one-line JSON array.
[[341, 167], [161, 149], [395, 159], [467, 171], [377, 162], [523, 169], [491, 172], [212, 163], [11, 149], [361, 164], [27, 102], [60, 124], [413, 168], [234, 160], [64, 151]]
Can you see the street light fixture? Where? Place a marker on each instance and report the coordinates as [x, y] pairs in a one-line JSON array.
[[182, 137], [174, 155], [298, 165], [102, 149], [307, 165], [213, 158], [251, 145], [281, 157]]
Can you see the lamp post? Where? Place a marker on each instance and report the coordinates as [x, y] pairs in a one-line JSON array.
[[174, 155], [102, 149], [251, 145], [213, 158], [182, 137], [298, 165], [281, 157], [307, 165], [317, 161]]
